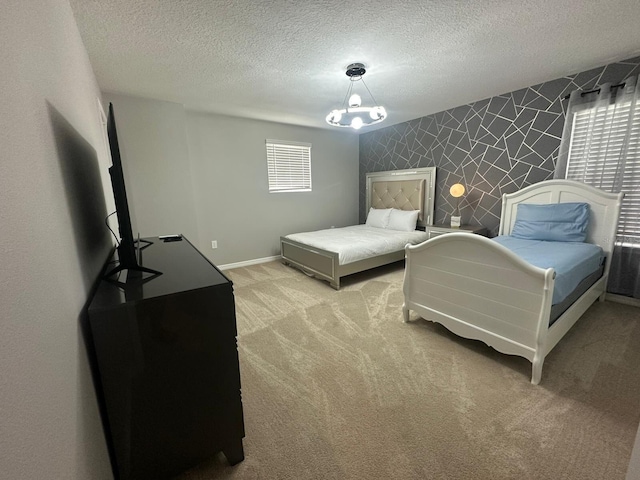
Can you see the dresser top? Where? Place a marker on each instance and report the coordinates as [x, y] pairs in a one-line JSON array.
[[183, 269]]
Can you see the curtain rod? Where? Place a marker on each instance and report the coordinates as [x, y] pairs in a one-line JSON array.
[[596, 90]]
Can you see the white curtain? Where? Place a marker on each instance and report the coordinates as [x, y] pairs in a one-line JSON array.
[[601, 147]]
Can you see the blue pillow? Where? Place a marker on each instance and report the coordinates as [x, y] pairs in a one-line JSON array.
[[558, 222]]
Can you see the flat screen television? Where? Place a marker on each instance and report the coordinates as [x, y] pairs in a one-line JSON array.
[[128, 247]]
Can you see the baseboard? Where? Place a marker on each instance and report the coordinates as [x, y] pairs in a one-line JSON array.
[[612, 297], [248, 263]]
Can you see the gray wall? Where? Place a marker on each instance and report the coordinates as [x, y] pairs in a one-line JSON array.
[[493, 146], [633, 472], [233, 204], [205, 176], [153, 146], [53, 243]]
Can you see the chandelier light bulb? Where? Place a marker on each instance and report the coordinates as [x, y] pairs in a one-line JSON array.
[[334, 116], [356, 123], [355, 100], [377, 113]]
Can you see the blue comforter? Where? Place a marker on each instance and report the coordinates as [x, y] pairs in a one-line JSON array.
[[572, 261]]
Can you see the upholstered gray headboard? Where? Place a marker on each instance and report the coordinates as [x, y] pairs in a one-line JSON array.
[[401, 194], [412, 189]]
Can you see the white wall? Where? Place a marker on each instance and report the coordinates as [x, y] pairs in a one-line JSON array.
[[52, 244], [205, 176]]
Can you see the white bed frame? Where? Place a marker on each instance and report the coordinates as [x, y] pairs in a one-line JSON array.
[[324, 264], [479, 289]]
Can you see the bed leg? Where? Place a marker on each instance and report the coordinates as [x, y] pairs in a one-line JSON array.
[[602, 296], [335, 285], [536, 369], [405, 313]]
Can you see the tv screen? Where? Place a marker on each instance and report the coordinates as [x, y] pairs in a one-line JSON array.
[[128, 248]]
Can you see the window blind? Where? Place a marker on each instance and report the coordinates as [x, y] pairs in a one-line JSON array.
[[289, 166], [599, 137]]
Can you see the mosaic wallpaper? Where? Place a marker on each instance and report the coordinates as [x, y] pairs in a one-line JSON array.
[[492, 146]]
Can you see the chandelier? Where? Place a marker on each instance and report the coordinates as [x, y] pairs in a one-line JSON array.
[[355, 115]]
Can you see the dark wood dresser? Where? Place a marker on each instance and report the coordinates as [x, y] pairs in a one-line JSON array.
[[167, 361]]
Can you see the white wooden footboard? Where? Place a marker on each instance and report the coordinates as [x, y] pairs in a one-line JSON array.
[[479, 289]]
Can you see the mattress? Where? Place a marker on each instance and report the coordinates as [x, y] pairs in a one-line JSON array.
[[358, 242], [572, 261]]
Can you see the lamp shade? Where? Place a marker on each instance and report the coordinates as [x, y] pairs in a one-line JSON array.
[[457, 190]]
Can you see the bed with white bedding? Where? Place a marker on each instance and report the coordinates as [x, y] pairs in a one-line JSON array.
[[394, 200], [504, 291], [359, 242]]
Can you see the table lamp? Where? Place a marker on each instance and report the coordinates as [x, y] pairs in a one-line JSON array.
[[456, 192]]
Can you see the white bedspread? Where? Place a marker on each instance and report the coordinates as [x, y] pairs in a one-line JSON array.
[[358, 242]]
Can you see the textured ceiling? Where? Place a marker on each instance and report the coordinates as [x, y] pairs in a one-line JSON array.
[[284, 60]]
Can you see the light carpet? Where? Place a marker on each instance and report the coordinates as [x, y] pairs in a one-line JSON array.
[[336, 386]]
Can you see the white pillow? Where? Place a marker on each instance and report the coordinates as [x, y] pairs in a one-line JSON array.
[[378, 217], [403, 220]]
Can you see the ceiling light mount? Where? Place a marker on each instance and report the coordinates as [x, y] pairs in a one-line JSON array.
[[353, 114], [355, 70]]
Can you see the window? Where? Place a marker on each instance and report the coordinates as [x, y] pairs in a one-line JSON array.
[[289, 166], [605, 152]]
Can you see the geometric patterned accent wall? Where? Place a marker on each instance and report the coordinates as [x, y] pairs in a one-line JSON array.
[[493, 146]]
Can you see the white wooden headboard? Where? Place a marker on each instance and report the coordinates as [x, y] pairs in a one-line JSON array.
[[604, 208], [381, 191]]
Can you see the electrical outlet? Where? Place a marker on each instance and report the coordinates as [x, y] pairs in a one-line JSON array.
[[214, 244]]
